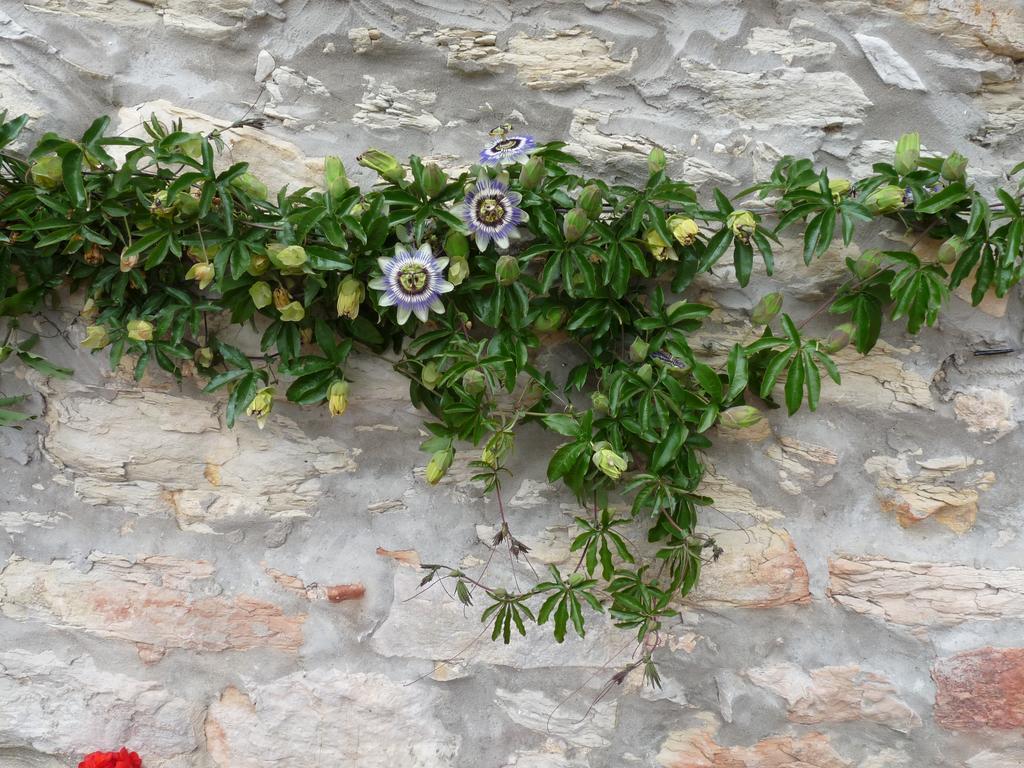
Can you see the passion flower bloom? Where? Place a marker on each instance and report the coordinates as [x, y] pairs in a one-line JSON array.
[[413, 281], [491, 213], [121, 759], [508, 149]]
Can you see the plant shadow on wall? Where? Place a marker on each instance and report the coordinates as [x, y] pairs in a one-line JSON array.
[[458, 282]]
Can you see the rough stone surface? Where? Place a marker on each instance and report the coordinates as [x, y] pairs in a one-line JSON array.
[[215, 597]]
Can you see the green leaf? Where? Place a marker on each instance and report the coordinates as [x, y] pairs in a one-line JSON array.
[[74, 182], [795, 385], [668, 448], [44, 366]]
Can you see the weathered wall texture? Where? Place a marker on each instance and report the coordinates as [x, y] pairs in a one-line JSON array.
[[195, 592]]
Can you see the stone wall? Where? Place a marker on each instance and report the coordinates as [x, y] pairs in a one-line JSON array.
[[244, 599]]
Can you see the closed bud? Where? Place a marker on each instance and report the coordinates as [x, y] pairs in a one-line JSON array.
[[952, 249], [203, 272], [575, 224], [337, 397], [93, 256], [456, 245], [434, 179], [767, 308], [249, 185], [638, 350], [532, 174], [659, 249], [261, 294], [550, 319], [46, 172], [96, 337], [351, 293], [335, 176], [683, 229], [954, 167], [507, 269], [867, 263], [285, 256], [458, 269], [645, 372], [438, 465], [609, 462], [128, 261], [89, 310], [742, 223], [839, 188], [384, 164], [908, 153], [886, 199], [292, 312], [473, 381], [656, 160], [259, 264], [430, 375], [739, 417], [839, 338], [140, 330], [590, 201], [203, 357], [599, 402], [187, 205], [261, 406]]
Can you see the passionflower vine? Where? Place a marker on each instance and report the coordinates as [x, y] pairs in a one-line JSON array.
[[413, 281], [508, 149], [491, 213]]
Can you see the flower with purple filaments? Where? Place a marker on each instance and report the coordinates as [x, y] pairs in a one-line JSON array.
[[491, 213], [413, 281], [508, 149]]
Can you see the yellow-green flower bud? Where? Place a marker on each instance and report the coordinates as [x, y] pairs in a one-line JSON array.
[[742, 223], [599, 402], [867, 263], [438, 465], [203, 357], [258, 264], [261, 294], [335, 176], [430, 375], [249, 185], [839, 188], [767, 308], [886, 199], [507, 269], [473, 381], [337, 397], [434, 179], [292, 312], [386, 165], [739, 417], [456, 245], [261, 406], [192, 146], [458, 269], [96, 337], [659, 249], [590, 201], [203, 272], [908, 153], [638, 350], [550, 319], [952, 249], [350, 296], [284, 256], [645, 372], [839, 338], [575, 224], [656, 160], [609, 462], [532, 174], [954, 167], [683, 229], [89, 310], [140, 330], [46, 172]]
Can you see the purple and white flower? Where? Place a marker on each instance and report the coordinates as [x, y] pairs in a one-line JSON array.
[[508, 149], [413, 281], [491, 213]]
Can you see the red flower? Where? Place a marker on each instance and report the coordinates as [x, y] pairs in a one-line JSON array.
[[122, 759]]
